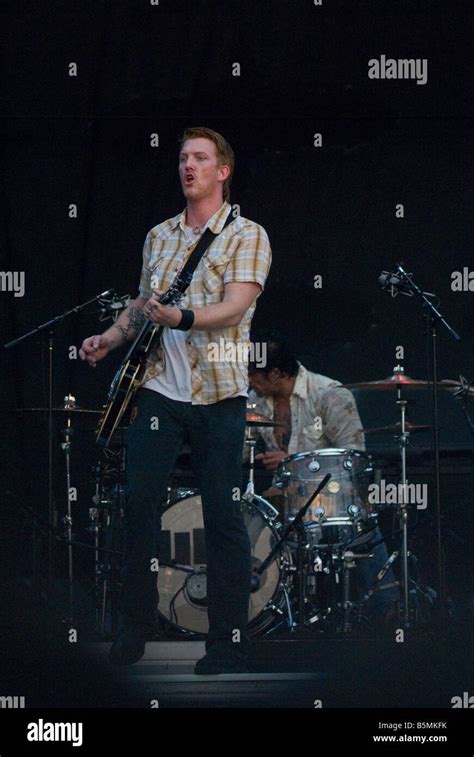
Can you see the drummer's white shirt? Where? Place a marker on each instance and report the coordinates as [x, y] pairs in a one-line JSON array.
[[323, 415]]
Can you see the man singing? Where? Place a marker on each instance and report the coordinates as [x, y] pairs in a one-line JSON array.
[[194, 398]]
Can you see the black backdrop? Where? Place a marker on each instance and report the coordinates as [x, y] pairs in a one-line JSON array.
[[145, 69], [330, 210]]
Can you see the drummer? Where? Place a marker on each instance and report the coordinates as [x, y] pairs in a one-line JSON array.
[[313, 412]]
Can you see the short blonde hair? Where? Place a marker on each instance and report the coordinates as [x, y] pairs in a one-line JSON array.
[[225, 153]]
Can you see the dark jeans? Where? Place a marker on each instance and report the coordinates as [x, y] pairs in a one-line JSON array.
[[216, 436]]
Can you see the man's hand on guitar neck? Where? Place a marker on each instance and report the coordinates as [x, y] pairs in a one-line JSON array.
[[162, 315]]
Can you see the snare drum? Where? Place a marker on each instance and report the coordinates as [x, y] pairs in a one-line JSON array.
[[341, 512]]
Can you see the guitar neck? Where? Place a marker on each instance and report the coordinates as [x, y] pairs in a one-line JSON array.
[[143, 335], [149, 326], [132, 369]]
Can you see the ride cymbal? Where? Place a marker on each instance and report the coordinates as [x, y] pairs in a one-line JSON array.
[[56, 410], [398, 380], [396, 428]]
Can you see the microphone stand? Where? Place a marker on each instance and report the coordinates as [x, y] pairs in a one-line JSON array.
[[50, 326], [434, 317]]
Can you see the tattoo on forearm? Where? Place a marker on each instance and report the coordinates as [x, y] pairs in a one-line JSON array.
[[136, 319], [123, 331]]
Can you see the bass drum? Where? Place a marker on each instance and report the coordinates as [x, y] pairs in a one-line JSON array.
[[182, 579]]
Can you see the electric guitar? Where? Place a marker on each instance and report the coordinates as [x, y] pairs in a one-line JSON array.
[[128, 377]]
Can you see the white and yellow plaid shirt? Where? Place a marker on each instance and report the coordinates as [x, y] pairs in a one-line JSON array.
[[241, 253]]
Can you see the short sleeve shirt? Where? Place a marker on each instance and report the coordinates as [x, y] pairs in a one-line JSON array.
[[241, 253]]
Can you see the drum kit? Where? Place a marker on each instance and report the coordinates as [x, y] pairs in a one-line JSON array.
[[303, 553]]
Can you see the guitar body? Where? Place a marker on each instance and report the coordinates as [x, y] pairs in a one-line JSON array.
[[125, 382], [127, 379]]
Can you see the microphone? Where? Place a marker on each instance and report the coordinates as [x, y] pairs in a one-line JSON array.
[[398, 284], [112, 306], [461, 390], [394, 282]]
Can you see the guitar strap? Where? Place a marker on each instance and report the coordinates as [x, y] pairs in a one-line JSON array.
[[201, 247], [109, 421]]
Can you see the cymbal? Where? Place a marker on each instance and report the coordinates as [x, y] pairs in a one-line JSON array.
[[395, 381], [258, 419], [57, 410], [396, 428]]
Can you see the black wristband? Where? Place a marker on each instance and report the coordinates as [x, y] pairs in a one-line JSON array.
[[187, 320]]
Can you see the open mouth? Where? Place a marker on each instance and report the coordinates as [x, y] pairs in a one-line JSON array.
[[189, 178]]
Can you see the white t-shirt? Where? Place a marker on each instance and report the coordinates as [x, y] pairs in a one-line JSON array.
[[175, 380]]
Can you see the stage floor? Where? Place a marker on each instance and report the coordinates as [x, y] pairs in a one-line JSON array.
[[421, 672]]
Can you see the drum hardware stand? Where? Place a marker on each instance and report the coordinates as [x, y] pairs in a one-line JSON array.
[[295, 525], [345, 560], [69, 402], [301, 551], [288, 606], [433, 317], [349, 561], [104, 515], [102, 571], [402, 510], [50, 326], [254, 420], [402, 506], [279, 611], [95, 528], [67, 434], [378, 579], [251, 444], [249, 494]]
